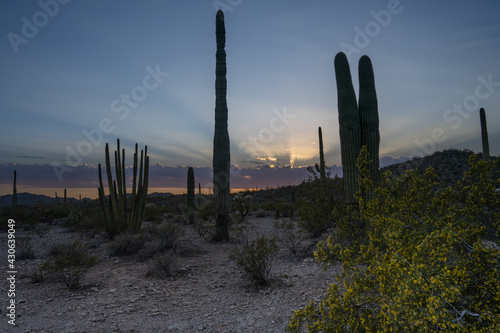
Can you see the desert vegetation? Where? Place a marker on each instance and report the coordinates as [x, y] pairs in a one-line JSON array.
[[414, 245]]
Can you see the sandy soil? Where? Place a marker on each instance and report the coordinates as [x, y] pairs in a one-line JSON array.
[[207, 292]]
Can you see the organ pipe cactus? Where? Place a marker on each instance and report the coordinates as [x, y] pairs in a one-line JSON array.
[[190, 188], [484, 135], [115, 209], [221, 155], [358, 126]]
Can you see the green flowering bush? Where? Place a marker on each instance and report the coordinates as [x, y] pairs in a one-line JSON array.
[[422, 263]]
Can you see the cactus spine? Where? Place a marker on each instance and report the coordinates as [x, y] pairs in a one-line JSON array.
[[484, 135], [221, 157], [190, 188], [115, 209], [357, 126], [14, 193]]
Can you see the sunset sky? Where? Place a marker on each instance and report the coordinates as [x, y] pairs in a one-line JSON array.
[[78, 74]]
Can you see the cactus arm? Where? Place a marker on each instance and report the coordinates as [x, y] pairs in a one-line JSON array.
[[349, 126], [112, 191], [484, 135], [368, 111]]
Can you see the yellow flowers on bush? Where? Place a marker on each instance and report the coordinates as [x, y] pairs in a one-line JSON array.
[[426, 260]]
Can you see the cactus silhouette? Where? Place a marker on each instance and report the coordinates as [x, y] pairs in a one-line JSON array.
[[484, 135], [14, 193], [357, 126], [115, 209], [190, 188], [221, 155], [321, 155]]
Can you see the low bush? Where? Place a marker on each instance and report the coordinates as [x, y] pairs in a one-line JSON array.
[[154, 213], [69, 263], [256, 258], [42, 230], [160, 239], [206, 211], [161, 265], [24, 249], [421, 264], [290, 237], [320, 199], [125, 245]]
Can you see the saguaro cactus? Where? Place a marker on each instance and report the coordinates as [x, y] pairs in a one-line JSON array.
[[115, 209], [357, 126], [484, 135], [368, 112], [222, 156], [190, 188], [14, 193], [321, 155]]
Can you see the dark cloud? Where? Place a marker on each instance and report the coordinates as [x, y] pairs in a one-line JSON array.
[[160, 176]]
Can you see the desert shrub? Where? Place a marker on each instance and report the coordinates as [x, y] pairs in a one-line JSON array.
[[24, 249], [161, 265], [290, 237], [423, 265], [153, 213], [206, 211], [204, 228], [180, 219], [240, 229], [26, 218], [320, 198], [169, 235], [260, 213], [70, 263], [160, 239], [241, 204], [37, 276], [73, 219], [125, 244], [255, 259], [89, 226], [41, 230]]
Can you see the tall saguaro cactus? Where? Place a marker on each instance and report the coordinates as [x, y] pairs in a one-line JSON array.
[[190, 188], [222, 156], [484, 135], [357, 126], [321, 155], [115, 209]]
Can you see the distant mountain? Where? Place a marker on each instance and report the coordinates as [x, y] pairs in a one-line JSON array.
[[449, 165], [26, 199]]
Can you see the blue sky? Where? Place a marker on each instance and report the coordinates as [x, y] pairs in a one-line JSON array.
[[433, 61]]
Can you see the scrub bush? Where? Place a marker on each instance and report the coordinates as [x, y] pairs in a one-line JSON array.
[[422, 263]]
